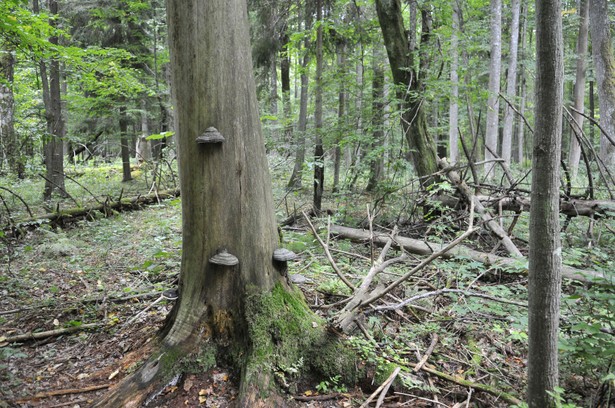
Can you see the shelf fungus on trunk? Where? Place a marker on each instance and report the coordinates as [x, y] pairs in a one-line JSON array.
[[211, 135], [223, 258], [281, 256]]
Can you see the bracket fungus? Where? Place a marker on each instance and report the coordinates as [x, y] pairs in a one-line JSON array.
[[224, 258], [283, 255], [211, 135]]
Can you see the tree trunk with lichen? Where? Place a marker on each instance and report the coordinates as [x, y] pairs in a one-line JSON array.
[[244, 316]]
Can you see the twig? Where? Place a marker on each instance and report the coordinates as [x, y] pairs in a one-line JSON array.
[[511, 399], [420, 266], [62, 189], [444, 291], [20, 199], [55, 393], [386, 384], [49, 333], [430, 349], [328, 253]]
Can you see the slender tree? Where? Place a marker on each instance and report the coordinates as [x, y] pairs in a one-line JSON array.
[[511, 82], [54, 144], [493, 101], [579, 89], [319, 152], [604, 66], [8, 140], [453, 112], [545, 258], [377, 162]]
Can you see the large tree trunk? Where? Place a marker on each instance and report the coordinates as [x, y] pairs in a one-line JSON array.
[[604, 65], [493, 101], [231, 312], [410, 89], [545, 263], [579, 89], [54, 147], [511, 82]]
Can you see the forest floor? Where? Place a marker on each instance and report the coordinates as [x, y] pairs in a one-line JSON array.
[[101, 289]]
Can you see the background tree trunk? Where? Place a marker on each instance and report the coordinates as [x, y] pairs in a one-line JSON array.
[[295, 181], [124, 147], [579, 89], [545, 263], [8, 142], [604, 65], [377, 161], [54, 147], [511, 82], [319, 153], [493, 102], [453, 112], [409, 89], [341, 113]]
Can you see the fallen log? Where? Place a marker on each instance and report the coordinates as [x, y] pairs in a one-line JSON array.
[[571, 208], [107, 208], [418, 247]]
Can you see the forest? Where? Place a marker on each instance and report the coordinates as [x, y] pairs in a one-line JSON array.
[[307, 203]]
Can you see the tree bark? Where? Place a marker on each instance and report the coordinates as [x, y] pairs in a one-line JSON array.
[[409, 89], [341, 113], [8, 140], [319, 153], [511, 82], [493, 101], [234, 311], [604, 66], [295, 181], [579, 89], [54, 147], [376, 162], [453, 111], [125, 149], [545, 258]]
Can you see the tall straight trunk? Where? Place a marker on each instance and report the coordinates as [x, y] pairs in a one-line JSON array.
[[493, 101], [545, 258], [8, 141], [295, 181], [273, 96], [410, 89], [453, 110], [54, 147], [319, 152], [341, 113], [579, 88], [143, 149], [511, 82], [125, 149], [522, 89], [377, 161], [604, 66], [285, 79]]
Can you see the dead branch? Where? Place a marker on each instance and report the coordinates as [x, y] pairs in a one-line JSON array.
[[430, 349], [56, 393], [328, 253], [384, 387], [445, 291], [418, 247], [49, 333], [469, 197]]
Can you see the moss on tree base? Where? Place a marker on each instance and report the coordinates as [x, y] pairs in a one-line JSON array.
[[283, 344]]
